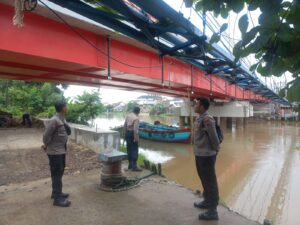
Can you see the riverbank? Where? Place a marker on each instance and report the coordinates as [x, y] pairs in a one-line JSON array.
[[154, 201]]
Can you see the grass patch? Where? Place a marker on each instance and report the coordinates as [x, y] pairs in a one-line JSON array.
[[222, 202], [141, 158], [298, 147]]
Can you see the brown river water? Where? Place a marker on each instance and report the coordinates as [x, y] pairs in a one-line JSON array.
[[258, 167]]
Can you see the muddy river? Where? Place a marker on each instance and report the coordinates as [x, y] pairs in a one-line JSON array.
[[258, 167]]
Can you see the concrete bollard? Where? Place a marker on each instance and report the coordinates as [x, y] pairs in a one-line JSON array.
[[229, 123], [111, 173], [147, 165], [159, 169], [154, 169]]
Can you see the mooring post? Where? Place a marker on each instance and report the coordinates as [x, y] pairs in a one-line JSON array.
[[111, 173], [159, 169]]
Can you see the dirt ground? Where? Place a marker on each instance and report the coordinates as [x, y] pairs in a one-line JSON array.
[[25, 191], [21, 158]]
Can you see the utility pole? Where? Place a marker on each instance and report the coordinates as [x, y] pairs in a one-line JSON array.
[[6, 93]]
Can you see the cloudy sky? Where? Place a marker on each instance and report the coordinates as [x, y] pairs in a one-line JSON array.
[[107, 95]]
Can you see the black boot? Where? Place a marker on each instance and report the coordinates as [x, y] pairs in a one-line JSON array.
[[62, 202], [136, 169], [201, 205], [211, 214], [62, 195]]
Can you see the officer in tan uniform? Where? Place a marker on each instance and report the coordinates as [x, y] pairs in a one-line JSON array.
[[131, 127], [206, 148]]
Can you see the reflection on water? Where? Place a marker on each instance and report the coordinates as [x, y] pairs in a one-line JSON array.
[[258, 168], [109, 121]]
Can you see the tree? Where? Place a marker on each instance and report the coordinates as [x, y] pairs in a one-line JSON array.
[[275, 41], [38, 99], [131, 105], [109, 108], [18, 97], [292, 92], [158, 109], [85, 107]]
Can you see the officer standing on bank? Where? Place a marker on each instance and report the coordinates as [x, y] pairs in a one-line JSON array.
[[55, 145], [131, 128], [206, 148]]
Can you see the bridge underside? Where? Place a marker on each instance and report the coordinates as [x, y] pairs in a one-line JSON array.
[[45, 50]]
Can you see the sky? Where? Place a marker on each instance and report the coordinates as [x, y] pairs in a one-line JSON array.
[[232, 34], [107, 95]]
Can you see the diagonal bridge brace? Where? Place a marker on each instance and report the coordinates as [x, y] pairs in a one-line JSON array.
[[184, 45]]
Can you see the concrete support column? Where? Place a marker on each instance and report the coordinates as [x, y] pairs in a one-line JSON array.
[[189, 122], [223, 121], [185, 121], [244, 122], [229, 123], [240, 122], [181, 121], [234, 121]]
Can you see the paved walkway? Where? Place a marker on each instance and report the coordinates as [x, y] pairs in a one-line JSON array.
[[155, 202]]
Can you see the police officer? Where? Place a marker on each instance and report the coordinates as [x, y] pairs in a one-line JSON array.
[[131, 127], [206, 147], [55, 145]]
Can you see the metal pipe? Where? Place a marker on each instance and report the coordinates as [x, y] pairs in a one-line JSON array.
[[108, 58], [192, 81], [162, 70]]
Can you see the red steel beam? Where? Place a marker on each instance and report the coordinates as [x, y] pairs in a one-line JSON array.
[[65, 80], [49, 39], [61, 72]]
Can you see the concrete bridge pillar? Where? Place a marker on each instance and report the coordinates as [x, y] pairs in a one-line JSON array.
[[229, 122], [185, 121], [189, 121], [223, 121], [181, 121], [227, 114], [240, 122]]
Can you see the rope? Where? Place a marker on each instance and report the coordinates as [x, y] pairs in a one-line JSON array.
[[126, 183], [19, 13]]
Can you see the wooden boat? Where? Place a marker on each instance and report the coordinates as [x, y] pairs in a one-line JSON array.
[[164, 133]]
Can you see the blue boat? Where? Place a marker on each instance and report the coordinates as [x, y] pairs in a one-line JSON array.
[[164, 133]]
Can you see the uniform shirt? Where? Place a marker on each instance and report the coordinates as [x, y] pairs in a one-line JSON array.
[[132, 124], [55, 136], [206, 141]]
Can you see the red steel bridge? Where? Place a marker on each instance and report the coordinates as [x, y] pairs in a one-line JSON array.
[[135, 45]]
